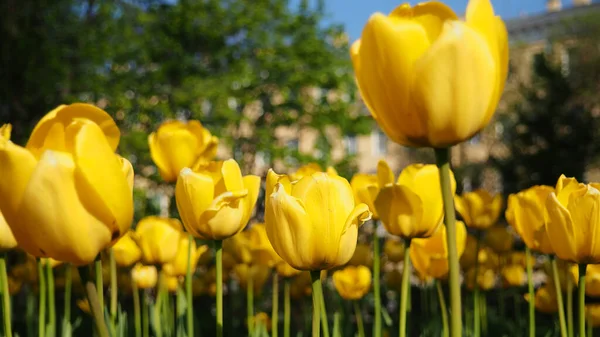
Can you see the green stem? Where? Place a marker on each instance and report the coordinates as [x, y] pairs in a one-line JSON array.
[[376, 282], [324, 320], [570, 320], [286, 308], [42, 304], [219, 281], [94, 301], [67, 299], [188, 290], [559, 299], [476, 300], [5, 297], [158, 303], [531, 292], [146, 315], [275, 306], [581, 288], [136, 309], [443, 163], [316, 296], [404, 290], [484, 316], [336, 324], [51, 303], [113, 290], [443, 308], [359, 320], [590, 329], [99, 283], [250, 304]]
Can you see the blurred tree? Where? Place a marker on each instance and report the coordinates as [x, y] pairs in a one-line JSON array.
[[548, 132], [244, 68]]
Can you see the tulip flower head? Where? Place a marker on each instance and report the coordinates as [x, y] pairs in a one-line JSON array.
[[366, 187], [309, 169], [178, 266], [394, 250], [126, 251], [176, 145], [145, 277], [259, 274], [430, 255], [499, 238], [545, 299], [428, 78], [479, 209], [592, 312], [7, 239], [352, 282], [158, 238], [216, 202], [573, 221], [526, 214], [313, 222], [513, 275], [413, 206], [70, 194], [592, 286]]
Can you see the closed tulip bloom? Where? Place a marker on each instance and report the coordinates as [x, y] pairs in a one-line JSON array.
[[394, 250], [366, 187], [486, 278], [573, 221], [313, 223], [592, 280], [479, 209], [176, 145], [428, 78], [430, 255], [352, 282], [499, 239], [158, 238], [216, 202], [309, 169], [513, 275], [592, 312], [413, 206], [525, 213], [7, 239], [172, 283], [126, 251], [178, 266], [145, 277], [545, 299], [259, 274], [70, 194]]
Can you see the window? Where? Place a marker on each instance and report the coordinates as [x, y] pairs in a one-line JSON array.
[[379, 142], [350, 144]]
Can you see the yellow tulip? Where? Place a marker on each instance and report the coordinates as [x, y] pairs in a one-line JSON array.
[[70, 194], [285, 270], [430, 255], [261, 318], [526, 214], [499, 239], [478, 208], [592, 312], [158, 239], [428, 78], [486, 278], [260, 247], [313, 223], [216, 202], [394, 250], [172, 283], [176, 145], [367, 186], [178, 266], [126, 251], [352, 282], [309, 169], [545, 299], [363, 256], [259, 274], [573, 221], [7, 239], [413, 206], [513, 275], [145, 277], [52, 262], [592, 285]]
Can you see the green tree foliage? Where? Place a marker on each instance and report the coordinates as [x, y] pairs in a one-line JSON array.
[[547, 133], [244, 68]]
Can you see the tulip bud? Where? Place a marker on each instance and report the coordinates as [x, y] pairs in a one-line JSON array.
[[158, 239], [478, 208], [352, 283]]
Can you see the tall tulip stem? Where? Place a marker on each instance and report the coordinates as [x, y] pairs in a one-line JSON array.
[[42, 304], [570, 323], [158, 303], [443, 308], [146, 315], [51, 303], [531, 292], [404, 290], [286, 307], [275, 306], [136, 309], [476, 295], [559, 299], [250, 304], [324, 320], [582, 272], [316, 297], [359, 320], [219, 281], [113, 290], [99, 283], [376, 281], [443, 162], [94, 301], [67, 299], [188, 289], [5, 297]]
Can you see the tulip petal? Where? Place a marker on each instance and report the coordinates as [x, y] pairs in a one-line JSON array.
[[452, 90], [431, 15], [159, 158], [194, 193], [384, 174], [225, 216], [401, 211], [584, 206], [560, 229], [252, 184], [16, 167], [63, 230], [232, 175]]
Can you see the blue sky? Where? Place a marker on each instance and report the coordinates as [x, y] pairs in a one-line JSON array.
[[355, 13]]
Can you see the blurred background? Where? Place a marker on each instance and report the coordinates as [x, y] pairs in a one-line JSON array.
[[273, 80]]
